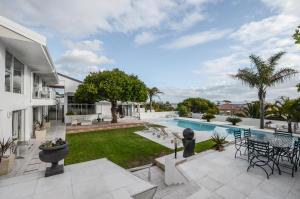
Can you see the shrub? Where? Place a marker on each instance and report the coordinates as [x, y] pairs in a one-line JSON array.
[[219, 141], [70, 113], [208, 117], [183, 111], [5, 145], [233, 120]]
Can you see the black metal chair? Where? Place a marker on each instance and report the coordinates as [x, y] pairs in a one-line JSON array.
[[239, 142], [261, 155], [282, 133], [290, 160], [247, 133]]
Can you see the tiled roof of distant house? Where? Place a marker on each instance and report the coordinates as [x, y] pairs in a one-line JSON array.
[[230, 107]]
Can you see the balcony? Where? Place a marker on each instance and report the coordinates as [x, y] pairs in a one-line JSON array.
[[43, 93], [43, 96]]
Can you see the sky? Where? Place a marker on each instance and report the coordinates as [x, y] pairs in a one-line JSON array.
[[186, 48]]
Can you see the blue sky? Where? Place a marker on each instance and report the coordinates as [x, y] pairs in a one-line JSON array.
[[187, 48]]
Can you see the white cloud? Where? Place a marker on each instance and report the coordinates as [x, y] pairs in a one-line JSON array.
[[79, 57], [187, 21], [275, 26], [290, 7], [145, 38], [92, 45], [197, 38], [82, 57], [83, 18]]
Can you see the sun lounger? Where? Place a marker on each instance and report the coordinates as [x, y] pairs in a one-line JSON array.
[[74, 122]]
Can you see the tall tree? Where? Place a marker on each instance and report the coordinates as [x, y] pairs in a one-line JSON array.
[[298, 87], [112, 86], [264, 75], [296, 35], [153, 92]]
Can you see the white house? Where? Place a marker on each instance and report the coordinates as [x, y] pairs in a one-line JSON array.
[[26, 69]]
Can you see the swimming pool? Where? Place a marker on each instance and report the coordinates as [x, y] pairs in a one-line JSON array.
[[205, 127]]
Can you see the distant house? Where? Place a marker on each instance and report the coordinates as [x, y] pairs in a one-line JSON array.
[[230, 109]]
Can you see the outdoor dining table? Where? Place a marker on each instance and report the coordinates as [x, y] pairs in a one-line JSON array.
[[279, 143]]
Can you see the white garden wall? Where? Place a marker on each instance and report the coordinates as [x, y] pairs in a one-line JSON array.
[[153, 115]]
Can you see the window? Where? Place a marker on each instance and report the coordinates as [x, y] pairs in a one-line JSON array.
[[18, 76], [8, 71], [14, 74]]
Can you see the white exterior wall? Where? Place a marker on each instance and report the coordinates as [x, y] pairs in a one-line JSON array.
[[13, 101], [155, 115], [70, 86]]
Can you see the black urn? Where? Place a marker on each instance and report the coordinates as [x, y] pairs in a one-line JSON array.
[[53, 155], [188, 133], [188, 142]]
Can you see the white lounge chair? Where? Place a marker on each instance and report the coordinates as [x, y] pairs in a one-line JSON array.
[[74, 122]]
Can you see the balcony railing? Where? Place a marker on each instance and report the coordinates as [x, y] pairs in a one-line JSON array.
[[43, 93]]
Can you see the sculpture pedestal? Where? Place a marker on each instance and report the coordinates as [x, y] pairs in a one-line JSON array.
[[174, 176]]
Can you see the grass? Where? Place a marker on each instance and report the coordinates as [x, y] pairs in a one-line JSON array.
[[121, 146]]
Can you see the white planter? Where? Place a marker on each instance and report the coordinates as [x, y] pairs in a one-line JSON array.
[[47, 125], [40, 135], [7, 164]]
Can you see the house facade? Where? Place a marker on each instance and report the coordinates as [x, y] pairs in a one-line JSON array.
[[26, 70]]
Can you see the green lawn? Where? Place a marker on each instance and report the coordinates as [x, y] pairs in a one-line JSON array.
[[121, 146]]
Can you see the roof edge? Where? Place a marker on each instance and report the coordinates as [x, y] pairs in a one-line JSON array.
[[71, 78], [23, 31]]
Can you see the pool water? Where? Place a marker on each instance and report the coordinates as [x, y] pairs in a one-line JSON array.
[[200, 126]]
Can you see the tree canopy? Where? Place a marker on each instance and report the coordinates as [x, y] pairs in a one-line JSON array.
[[112, 86], [296, 35], [198, 105]]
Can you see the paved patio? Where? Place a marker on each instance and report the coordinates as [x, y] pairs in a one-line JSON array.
[[100, 179], [30, 163], [215, 174]]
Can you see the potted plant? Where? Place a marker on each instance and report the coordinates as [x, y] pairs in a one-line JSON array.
[[208, 117], [52, 152], [6, 160], [219, 141], [39, 131], [233, 120], [46, 122]]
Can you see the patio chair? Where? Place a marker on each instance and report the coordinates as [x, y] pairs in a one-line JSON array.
[[74, 122], [239, 143], [261, 155], [161, 132], [150, 129], [282, 133], [292, 159]]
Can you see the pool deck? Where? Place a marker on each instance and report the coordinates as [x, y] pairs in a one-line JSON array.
[[93, 179]]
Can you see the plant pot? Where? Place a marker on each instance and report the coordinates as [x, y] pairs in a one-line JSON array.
[[219, 148], [40, 135], [7, 164], [47, 125], [53, 155]]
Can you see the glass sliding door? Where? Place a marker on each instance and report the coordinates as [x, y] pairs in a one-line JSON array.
[[17, 125]]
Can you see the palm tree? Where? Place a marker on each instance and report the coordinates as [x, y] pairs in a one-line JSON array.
[[287, 109], [152, 92], [252, 110], [264, 75]]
